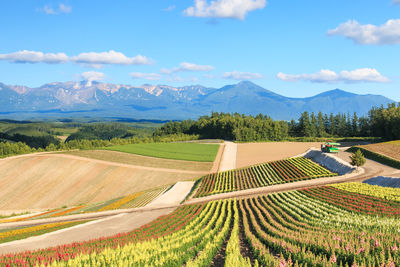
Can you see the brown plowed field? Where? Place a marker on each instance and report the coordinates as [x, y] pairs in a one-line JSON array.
[[127, 158], [53, 180], [391, 150], [255, 153]]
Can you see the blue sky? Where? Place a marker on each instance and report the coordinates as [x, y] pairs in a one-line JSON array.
[[294, 48]]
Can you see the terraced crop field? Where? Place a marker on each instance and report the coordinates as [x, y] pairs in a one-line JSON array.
[[8, 235], [50, 181], [134, 200], [275, 172], [297, 228]]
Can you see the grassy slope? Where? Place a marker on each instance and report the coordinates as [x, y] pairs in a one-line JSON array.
[[179, 151]]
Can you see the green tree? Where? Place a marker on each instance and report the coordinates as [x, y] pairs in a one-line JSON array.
[[357, 158]]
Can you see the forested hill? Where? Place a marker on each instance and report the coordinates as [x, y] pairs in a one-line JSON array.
[[381, 122]]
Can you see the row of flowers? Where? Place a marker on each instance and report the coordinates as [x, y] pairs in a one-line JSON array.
[[276, 172]]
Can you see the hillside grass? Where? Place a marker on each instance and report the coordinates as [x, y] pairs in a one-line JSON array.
[[177, 151]]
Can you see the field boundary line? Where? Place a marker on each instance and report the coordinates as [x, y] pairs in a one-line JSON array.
[[84, 216], [120, 164]]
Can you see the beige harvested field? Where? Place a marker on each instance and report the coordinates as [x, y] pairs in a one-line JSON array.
[[45, 181], [255, 153], [390, 149], [127, 158]]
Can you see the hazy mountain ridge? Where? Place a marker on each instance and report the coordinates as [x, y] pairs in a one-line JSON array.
[[94, 99]]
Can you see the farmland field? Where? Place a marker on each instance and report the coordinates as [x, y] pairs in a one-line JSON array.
[[275, 172], [299, 228], [256, 153], [128, 158], [51, 181], [389, 149], [8, 235], [178, 151], [134, 200]]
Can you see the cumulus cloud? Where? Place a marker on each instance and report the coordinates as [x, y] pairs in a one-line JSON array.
[[237, 75], [110, 57], [26, 56], [235, 9], [61, 9], [91, 76], [146, 76], [186, 66], [329, 76], [92, 59], [368, 34]]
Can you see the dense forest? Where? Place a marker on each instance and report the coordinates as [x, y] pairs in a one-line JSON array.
[[104, 131], [381, 122]]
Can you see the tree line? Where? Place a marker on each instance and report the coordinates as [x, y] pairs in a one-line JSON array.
[[383, 122]]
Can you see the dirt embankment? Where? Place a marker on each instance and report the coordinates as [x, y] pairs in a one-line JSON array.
[[329, 161]]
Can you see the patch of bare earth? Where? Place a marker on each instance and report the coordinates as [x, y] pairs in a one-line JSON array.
[[255, 153], [386, 149], [127, 158], [50, 181]]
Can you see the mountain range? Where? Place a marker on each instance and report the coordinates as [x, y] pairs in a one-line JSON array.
[[162, 102]]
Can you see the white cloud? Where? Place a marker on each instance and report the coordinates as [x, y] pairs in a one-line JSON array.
[[329, 76], [368, 34], [363, 75], [91, 76], [146, 76], [186, 66], [61, 9], [236, 75], [170, 8], [92, 59], [321, 76], [235, 9], [26, 56], [110, 57]]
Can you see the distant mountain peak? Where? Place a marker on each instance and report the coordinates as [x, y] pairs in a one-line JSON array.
[[60, 99]]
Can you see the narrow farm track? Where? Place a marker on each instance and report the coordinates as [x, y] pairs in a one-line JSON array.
[[115, 222], [228, 160], [109, 226]]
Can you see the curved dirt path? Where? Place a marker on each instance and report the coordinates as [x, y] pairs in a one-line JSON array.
[[116, 221], [110, 226], [228, 160]]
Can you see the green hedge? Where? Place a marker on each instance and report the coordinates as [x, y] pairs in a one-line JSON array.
[[376, 157]]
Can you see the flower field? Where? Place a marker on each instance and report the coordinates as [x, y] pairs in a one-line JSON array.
[[275, 172], [371, 190], [296, 228], [135, 200], [25, 232]]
